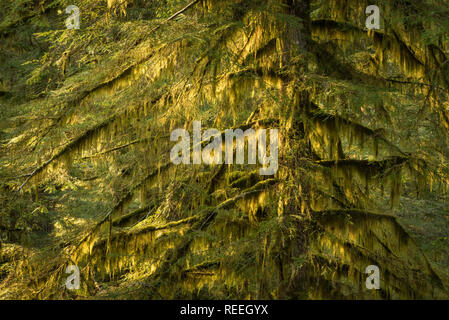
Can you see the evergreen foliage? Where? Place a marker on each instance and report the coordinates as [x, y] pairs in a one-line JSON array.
[[85, 171]]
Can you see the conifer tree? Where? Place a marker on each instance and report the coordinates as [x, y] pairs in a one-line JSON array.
[[85, 166]]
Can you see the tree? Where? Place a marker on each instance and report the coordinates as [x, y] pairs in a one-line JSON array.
[[358, 111]]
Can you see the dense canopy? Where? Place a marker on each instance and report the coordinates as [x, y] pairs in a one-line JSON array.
[[86, 178]]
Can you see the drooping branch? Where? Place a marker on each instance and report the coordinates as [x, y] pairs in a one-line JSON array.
[[373, 166], [337, 120], [164, 271]]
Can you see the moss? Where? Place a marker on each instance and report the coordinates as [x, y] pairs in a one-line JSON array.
[[245, 181], [357, 239], [202, 231]]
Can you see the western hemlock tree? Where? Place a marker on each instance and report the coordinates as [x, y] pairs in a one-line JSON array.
[[362, 117]]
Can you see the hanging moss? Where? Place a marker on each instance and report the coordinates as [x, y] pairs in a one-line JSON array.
[[361, 239], [224, 231]]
